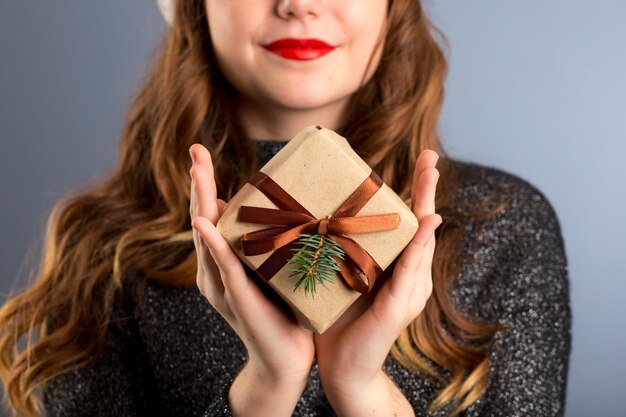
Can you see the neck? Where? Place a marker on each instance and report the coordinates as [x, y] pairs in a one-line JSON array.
[[267, 123]]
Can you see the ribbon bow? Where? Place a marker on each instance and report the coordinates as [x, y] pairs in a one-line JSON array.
[[291, 219]]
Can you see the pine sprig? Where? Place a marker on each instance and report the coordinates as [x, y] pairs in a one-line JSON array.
[[315, 261]]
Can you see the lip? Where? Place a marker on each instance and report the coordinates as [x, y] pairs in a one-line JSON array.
[[299, 49]]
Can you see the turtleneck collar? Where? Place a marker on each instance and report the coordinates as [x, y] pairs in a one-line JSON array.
[[267, 148]]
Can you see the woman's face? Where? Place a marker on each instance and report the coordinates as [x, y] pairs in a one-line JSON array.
[[296, 54]]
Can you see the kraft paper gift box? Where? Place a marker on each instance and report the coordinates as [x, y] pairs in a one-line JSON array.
[[317, 184]]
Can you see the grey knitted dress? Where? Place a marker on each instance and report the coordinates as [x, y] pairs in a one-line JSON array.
[[172, 354]]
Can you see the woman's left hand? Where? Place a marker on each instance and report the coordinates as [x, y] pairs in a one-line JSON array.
[[351, 353]]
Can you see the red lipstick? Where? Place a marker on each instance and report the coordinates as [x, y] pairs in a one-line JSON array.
[[299, 49]]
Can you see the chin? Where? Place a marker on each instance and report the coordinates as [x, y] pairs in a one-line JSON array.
[[302, 103], [303, 99]]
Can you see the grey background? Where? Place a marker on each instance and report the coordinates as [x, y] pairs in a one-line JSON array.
[[535, 88]]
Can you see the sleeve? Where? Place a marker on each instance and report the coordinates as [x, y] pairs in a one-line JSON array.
[[111, 385], [529, 359], [118, 383], [219, 406]]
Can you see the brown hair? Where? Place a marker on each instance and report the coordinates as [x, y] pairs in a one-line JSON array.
[[137, 218]]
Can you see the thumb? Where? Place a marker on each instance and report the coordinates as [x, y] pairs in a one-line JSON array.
[[221, 205]]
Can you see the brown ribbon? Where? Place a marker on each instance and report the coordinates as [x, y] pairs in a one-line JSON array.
[[292, 219]]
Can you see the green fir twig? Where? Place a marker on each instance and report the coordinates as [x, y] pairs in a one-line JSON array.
[[315, 261]]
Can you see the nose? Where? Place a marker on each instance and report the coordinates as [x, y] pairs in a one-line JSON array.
[[298, 8]]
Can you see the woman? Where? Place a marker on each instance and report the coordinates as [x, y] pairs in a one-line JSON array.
[[476, 324]]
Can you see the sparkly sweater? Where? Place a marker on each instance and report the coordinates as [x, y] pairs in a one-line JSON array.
[[174, 355]]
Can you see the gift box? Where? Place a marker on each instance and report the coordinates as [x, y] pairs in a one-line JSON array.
[[316, 189]]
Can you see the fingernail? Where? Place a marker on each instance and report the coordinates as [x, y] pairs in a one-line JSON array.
[[193, 158]]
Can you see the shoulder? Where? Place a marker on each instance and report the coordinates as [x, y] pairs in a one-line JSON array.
[[513, 261], [526, 210], [508, 222], [476, 181]]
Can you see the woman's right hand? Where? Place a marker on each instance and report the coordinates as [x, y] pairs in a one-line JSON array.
[[280, 351]]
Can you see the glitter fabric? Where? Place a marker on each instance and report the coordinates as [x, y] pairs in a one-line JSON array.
[[172, 354]]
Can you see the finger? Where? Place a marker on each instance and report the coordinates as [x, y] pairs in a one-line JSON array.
[[424, 288], [205, 159], [202, 156], [231, 270], [393, 302], [427, 158], [403, 280], [425, 189], [205, 193], [209, 278], [425, 267], [221, 205], [246, 300], [210, 286]]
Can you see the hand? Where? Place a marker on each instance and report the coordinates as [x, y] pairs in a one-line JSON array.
[[280, 350], [351, 353]]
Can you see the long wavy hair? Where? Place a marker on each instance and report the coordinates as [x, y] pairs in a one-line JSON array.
[[136, 219]]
